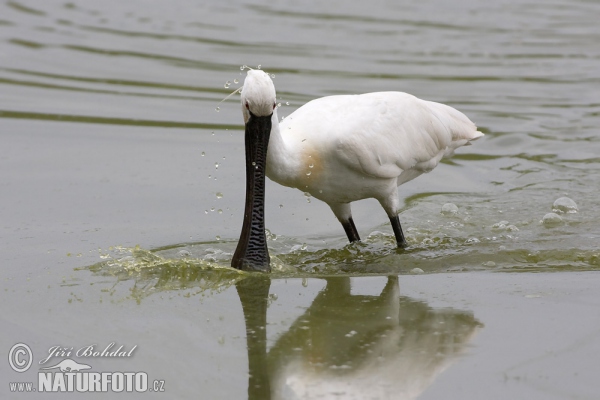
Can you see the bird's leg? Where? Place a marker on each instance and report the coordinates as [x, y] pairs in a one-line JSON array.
[[400, 240], [344, 214], [391, 206], [351, 231]]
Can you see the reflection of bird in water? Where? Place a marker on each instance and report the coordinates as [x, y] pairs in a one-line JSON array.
[[384, 347], [340, 149]]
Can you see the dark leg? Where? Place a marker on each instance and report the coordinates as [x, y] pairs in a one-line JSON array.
[[351, 231], [398, 231]]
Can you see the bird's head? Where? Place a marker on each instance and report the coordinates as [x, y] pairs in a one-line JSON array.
[[258, 95]]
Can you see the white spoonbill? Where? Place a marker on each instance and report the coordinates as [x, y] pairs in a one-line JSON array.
[[339, 149]]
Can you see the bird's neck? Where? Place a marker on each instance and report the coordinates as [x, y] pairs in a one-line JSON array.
[[281, 159]]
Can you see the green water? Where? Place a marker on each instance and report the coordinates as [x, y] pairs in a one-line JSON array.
[[122, 200]]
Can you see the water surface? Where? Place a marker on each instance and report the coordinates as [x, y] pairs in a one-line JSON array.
[[123, 198]]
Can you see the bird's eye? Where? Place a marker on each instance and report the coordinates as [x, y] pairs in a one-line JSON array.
[[247, 106], [274, 105]]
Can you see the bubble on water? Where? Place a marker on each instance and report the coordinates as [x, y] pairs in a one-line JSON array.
[[236, 81], [417, 271], [512, 228], [449, 209], [202, 154], [500, 226], [218, 109], [219, 195], [184, 253], [552, 219], [564, 205]]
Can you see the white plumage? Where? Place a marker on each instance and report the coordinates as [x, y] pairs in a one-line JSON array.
[[346, 148]]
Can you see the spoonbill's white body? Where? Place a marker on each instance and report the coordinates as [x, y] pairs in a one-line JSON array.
[[346, 148]]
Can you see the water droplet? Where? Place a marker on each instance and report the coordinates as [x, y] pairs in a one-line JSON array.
[[489, 264], [281, 206], [310, 165], [253, 163], [243, 67], [220, 211], [216, 165], [218, 109], [287, 103], [218, 237], [227, 84], [564, 205], [205, 211], [236, 81], [308, 173], [219, 195], [283, 117], [307, 195], [417, 271], [259, 66], [272, 76], [320, 191], [202, 154], [304, 282], [278, 105], [210, 176], [212, 209]]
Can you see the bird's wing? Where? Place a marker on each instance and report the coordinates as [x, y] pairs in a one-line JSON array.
[[390, 133]]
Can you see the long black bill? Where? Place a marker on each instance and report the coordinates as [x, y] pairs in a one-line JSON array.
[[252, 253]]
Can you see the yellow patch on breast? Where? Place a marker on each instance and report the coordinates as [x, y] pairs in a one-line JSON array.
[[311, 167]]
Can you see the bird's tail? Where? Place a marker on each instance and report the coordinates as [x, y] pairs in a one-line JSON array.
[[462, 129]]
